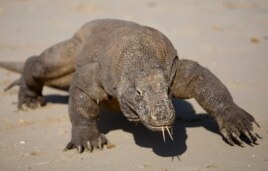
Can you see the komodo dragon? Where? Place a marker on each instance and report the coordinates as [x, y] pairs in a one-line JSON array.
[[123, 65]]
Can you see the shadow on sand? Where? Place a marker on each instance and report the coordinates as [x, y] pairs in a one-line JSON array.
[[56, 98], [185, 118]]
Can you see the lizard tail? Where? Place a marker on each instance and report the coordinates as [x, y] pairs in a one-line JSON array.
[[14, 83], [13, 66]]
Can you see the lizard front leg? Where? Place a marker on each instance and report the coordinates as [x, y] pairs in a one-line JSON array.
[[194, 81], [84, 115], [85, 95]]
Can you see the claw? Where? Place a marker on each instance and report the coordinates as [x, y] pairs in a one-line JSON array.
[[258, 136], [227, 137], [254, 135], [237, 139], [32, 105], [69, 146], [252, 119], [249, 137], [256, 123], [100, 144], [23, 107], [89, 146], [79, 149]]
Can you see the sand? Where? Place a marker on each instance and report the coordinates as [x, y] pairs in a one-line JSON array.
[[228, 37]]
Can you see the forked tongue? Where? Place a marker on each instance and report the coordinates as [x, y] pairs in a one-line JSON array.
[[169, 133]]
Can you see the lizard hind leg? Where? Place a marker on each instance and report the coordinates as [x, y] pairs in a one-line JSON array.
[[53, 67]]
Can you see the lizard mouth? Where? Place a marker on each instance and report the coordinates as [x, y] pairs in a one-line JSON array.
[[163, 128], [158, 128]]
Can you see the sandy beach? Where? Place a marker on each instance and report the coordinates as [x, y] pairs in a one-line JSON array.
[[229, 37]]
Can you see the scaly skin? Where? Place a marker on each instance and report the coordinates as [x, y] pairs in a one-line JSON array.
[[119, 64], [194, 81]]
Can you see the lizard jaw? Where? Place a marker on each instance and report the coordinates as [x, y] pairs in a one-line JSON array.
[[157, 128]]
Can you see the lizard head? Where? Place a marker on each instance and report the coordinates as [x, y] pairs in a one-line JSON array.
[[145, 98]]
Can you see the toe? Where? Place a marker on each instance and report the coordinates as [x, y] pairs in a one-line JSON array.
[[89, 146], [69, 146], [236, 136], [227, 137], [80, 149]]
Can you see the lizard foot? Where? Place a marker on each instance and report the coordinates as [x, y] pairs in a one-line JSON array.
[[31, 102], [85, 139], [28, 99], [236, 122]]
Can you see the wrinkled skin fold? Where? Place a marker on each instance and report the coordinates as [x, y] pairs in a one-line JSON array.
[[120, 65]]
